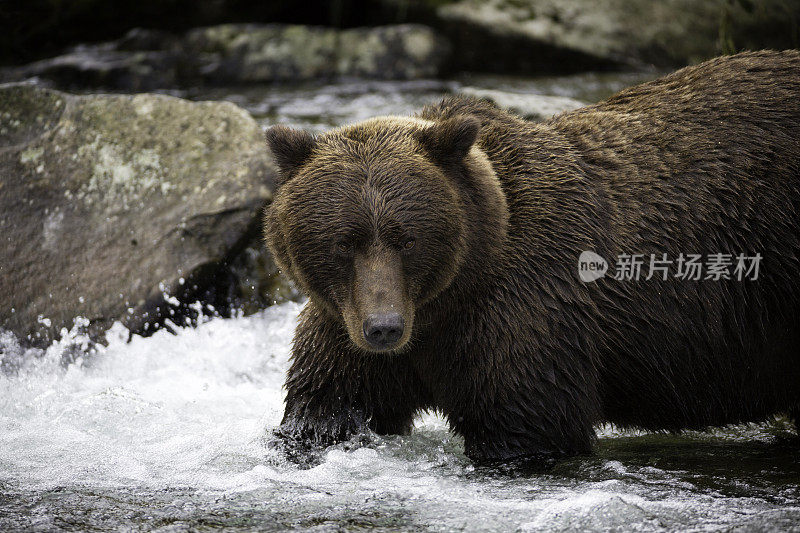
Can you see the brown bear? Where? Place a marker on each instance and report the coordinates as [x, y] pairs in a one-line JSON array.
[[440, 254]]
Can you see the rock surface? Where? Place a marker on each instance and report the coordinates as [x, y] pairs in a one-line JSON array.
[[523, 34], [244, 53], [103, 66], [107, 202], [263, 53]]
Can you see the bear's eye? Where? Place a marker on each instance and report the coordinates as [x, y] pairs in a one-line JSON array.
[[409, 243], [344, 248]]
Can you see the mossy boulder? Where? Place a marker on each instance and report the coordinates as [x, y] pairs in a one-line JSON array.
[[278, 52], [552, 35], [109, 202]]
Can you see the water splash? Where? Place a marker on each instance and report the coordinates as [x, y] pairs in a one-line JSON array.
[[167, 431]]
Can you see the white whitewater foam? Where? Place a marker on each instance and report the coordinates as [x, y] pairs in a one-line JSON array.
[[190, 411]]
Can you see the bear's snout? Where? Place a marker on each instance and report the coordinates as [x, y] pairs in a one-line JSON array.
[[379, 313], [382, 331]]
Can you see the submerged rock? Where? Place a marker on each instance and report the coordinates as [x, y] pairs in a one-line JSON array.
[[244, 53], [529, 106], [108, 202], [104, 65]]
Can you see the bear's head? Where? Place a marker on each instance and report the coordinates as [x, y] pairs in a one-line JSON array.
[[373, 220]]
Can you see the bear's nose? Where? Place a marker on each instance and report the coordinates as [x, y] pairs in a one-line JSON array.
[[383, 330]]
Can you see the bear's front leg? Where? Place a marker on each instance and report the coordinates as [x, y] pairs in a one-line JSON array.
[[506, 437], [535, 422], [335, 391]]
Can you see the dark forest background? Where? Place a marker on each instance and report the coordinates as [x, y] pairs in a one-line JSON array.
[[35, 29]]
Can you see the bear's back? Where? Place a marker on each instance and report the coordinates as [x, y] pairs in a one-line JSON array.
[[703, 161]]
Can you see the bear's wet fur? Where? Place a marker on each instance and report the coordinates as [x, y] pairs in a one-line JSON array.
[[465, 224]]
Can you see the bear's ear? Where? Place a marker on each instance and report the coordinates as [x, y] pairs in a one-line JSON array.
[[450, 140], [290, 148]]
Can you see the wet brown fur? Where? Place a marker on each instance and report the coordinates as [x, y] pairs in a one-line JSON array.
[[520, 355]]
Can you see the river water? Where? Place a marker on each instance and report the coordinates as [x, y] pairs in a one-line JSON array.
[[166, 433]]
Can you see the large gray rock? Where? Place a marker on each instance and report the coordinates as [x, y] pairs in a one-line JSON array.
[[244, 53], [108, 202], [275, 52], [563, 34]]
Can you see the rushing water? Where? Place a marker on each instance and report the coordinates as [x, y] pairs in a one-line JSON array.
[[318, 107], [167, 432]]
